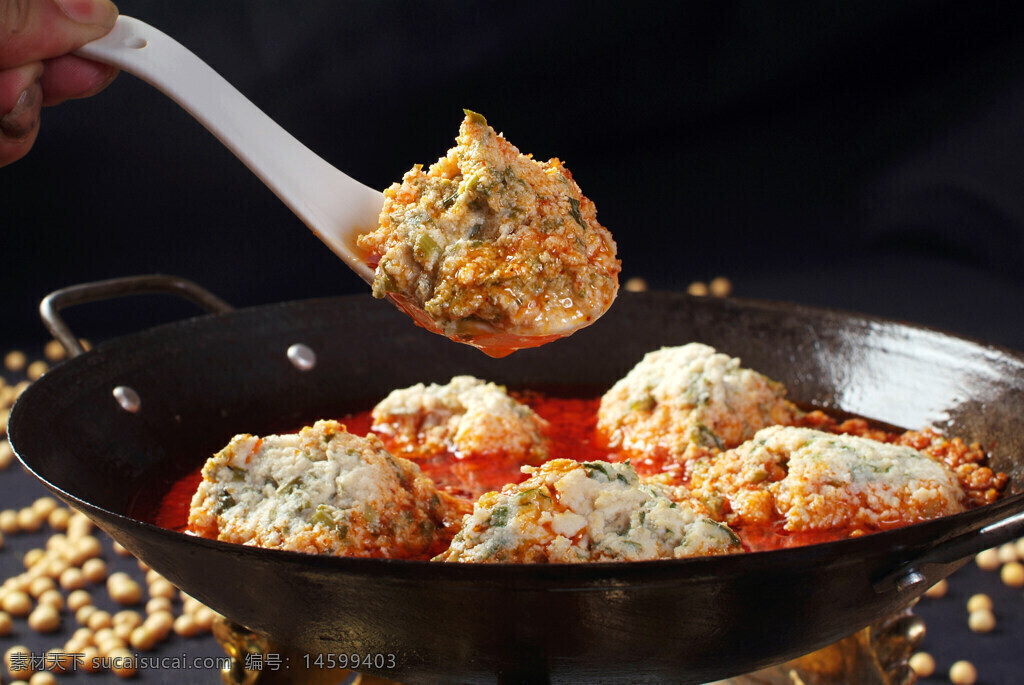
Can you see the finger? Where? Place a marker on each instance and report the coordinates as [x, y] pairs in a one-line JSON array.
[[21, 96], [34, 30], [69, 77]]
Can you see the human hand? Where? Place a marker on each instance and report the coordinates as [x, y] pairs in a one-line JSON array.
[[37, 68]]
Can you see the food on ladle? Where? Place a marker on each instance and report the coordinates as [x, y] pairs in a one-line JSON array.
[[489, 241]]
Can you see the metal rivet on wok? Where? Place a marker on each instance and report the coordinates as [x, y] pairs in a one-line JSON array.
[[910, 579], [127, 398], [302, 357]]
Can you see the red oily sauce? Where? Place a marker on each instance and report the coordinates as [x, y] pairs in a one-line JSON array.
[[573, 435]]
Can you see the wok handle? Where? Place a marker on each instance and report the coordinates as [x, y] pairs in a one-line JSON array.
[[51, 305], [1003, 523]]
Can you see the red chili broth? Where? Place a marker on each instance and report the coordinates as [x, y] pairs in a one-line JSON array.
[[572, 434]]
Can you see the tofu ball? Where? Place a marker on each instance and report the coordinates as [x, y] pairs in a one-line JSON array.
[[684, 402], [467, 416], [815, 480], [569, 511], [321, 490]]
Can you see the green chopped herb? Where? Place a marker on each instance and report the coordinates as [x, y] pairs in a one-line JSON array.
[[528, 494], [389, 283], [574, 209], [550, 224], [531, 495], [474, 185], [645, 403], [509, 177], [427, 528], [499, 517], [322, 516], [372, 518], [715, 504], [224, 501], [474, 117], [758, 476], [733, 538], [707, 436], [399, 471], [593, 467]]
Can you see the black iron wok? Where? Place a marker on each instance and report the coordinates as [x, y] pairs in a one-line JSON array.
[[200, 381]]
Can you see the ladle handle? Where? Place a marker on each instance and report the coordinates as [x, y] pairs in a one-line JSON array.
[[332, 204], [49, 308]]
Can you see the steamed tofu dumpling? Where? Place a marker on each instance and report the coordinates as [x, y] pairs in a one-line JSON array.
[[813, 480], [321, 490], [569, 511], [491, 236], [688, 401], [466, 416]]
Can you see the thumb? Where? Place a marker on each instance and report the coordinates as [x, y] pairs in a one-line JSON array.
[[34, 30]]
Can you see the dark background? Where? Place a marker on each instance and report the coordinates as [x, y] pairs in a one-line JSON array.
[[860, 156]]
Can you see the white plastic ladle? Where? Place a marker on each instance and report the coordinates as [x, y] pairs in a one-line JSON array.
[[336, 207]]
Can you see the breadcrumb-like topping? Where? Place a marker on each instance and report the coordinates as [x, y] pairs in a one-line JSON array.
[[569, 511], [488, 235], [466, 416], [321, 490], [815, 480], [689, 401]]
